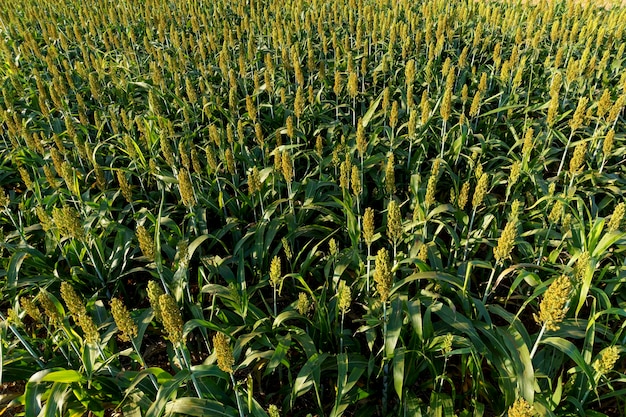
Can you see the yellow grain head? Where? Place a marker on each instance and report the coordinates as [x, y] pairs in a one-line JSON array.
[[390, 178], [368, 226], [579, 114], [304, 305], [275, 272], [298, 104], [28, 305], [607, 144], [355, 181], [552, 309], [616, 217], [146, 242], [344, 298], [123, 320], [223, 352], [394, 222], [286, 167], [480, 191], [154, 292], [521, 408], [383, 275], [353, 84], [171, 318], [605, 363], [577, 161], [425, 107], [185, 187]]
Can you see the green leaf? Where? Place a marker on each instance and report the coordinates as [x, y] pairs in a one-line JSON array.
[[66, 376], [166, 391], [372, 109], [414, 308], [280, 354], [394, 326], [572, 351], [57, 399], [398, 371], [346, 380], [309, 377], [198, 407], [608, 240]]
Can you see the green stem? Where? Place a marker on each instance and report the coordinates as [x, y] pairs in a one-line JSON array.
[[142, 362], [544, 243], [183, 360], [386, 364], [24, 343], [369, 247], [569, 139], [341, 334], [469, 232], [536, 345], [488, 288], [232, 379]]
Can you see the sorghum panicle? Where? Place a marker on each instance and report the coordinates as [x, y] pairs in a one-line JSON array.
[[578, 159], [607, 144], [480, 191], [606, 361], [383, 275], [185, 187], [333, 249], [361, 141], [368, 226], [355, 181], [556, 212], [28, 305], [617, 217], [463, 195], [172, 318], [528, 142], [394, 222], [89, 328], [521, 408], [73, 301], [223, 352], [124, 321], [304, 304], [344, 298], [146, 243], [287, 168], [506, 242], [578, 118], [272, 411], [254, 181], [552, 308], [49, 308], [155, 291], [275, 272], [390, 178], [230, 161], [125, 188], [581, 265]]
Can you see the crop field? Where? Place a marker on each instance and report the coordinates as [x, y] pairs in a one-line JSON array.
[[312, 208]]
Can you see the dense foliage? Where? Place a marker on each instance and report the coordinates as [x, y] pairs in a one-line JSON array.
[[262, 207]]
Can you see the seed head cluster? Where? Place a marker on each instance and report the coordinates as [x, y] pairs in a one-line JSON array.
[[223, 352], [521, 408], [123, 320], [606, 361], [383, 275], [552, 309], [171, 318]]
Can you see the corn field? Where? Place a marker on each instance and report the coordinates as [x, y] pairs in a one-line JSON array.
[[312, 208]]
